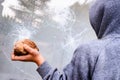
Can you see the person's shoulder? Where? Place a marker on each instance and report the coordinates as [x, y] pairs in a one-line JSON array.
[[94, 44], [91, 48], [87, 52]]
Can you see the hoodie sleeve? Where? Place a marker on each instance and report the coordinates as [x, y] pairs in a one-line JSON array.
[[78, 69]]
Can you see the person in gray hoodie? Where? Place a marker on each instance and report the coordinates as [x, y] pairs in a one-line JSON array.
[[96, 60]]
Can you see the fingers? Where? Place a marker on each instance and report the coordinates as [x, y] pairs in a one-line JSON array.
[[15, 58], [12, 56], [19, 58]]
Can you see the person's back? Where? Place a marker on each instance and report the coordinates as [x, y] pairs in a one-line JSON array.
[[100, 60], [105, 19]]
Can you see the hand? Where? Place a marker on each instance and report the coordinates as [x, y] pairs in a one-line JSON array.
[[32, 56]]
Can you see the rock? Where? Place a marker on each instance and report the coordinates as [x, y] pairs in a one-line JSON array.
[[19, 49]]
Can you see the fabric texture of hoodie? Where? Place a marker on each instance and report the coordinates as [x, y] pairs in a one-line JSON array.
[[98, 59]]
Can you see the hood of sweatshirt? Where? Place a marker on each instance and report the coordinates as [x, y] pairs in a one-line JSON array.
[[105, 17]]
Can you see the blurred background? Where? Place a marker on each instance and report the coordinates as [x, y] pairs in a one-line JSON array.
[[58, 27]]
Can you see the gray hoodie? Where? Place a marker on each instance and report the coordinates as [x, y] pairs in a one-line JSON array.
[[98, 59]]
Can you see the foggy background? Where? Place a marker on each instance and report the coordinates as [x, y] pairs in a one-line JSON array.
[[56, 31]]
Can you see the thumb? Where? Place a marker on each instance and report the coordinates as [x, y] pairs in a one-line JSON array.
[[28, 48]]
